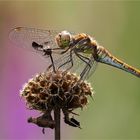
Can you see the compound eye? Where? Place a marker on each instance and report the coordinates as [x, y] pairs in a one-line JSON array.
[[63, 39], [66, 37]]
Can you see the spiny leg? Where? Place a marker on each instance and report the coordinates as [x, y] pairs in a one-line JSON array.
[[70, 60], [88, 67], [83, 58], [49, 53], [85, 70], [88, 64], [52, 63]]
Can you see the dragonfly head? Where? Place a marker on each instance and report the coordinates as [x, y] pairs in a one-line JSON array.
[[63, 39]]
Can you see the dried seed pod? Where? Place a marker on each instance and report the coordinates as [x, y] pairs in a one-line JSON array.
[[63, 89]]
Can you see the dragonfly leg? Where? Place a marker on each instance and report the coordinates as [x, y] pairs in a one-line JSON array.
[[83, 58], [48, 52], [85, 71], [87, 67], [52, 63], [87, 61], [48, 68], [70, 60], [65, 50]]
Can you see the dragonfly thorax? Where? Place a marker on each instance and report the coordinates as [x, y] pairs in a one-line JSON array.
[[63, 39]]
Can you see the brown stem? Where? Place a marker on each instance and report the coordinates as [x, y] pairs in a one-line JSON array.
[[57, 123]]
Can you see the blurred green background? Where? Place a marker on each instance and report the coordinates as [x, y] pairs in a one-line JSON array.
[[115, 114]]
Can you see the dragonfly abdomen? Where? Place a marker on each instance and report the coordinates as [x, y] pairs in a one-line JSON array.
[[107, 58]]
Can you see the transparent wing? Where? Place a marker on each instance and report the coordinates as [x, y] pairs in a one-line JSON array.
[[24, 37], [78, 64]]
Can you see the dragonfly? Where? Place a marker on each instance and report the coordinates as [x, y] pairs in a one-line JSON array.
[[78, 53]]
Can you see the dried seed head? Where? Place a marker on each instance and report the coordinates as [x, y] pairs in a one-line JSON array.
[[49, 89]]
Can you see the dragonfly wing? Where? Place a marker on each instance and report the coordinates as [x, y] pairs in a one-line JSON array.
[[64, 62], [36, 40], [24, 37]]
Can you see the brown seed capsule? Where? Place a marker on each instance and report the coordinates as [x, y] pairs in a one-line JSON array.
[[63, 89]]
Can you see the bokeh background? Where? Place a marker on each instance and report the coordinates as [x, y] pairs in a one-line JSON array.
[[115, 113]]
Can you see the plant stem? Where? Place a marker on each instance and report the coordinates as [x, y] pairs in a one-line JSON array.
[[57, 123]]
